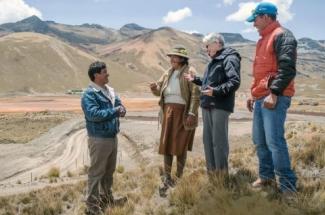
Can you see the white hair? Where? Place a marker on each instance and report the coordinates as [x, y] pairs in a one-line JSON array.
[[214, 37]]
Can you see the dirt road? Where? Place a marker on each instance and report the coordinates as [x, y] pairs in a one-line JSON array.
[[66, 103], [24, 166]]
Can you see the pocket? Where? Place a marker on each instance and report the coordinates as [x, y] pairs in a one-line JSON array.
[[286, 100]]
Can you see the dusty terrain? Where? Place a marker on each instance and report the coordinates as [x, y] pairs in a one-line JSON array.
[[50, 134]]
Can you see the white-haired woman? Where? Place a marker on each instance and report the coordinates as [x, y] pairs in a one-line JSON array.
[[218, 86]]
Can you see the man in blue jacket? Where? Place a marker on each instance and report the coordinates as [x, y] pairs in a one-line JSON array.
[[102, 109]]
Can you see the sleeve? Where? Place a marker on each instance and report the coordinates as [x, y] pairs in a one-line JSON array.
[[232, 71], [285, 46], [92, 110], [159, 83], [197, 81], [195, 96]]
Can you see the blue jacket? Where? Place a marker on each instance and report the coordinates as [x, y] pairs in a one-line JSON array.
[[102, 117]]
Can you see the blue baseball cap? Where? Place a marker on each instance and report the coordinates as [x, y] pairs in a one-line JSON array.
[[263, 8]]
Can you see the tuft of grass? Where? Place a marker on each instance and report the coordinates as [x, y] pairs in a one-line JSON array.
[[70, 174], [120, 169], [186, 193], [54, 172], [48, 201], [84, 170], [307, 144], [127, 209]]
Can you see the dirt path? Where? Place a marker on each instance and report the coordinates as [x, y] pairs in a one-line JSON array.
[[24, 166], [65, 147]]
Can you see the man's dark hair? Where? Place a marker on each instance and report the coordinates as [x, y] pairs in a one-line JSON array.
[[94, 68], [272, 16]]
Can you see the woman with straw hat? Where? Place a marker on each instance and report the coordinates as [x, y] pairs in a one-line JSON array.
[[179, 102]]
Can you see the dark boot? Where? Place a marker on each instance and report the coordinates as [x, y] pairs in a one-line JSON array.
[[167, 182]]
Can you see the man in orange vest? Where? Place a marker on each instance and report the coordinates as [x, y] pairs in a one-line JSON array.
[[274, 70]]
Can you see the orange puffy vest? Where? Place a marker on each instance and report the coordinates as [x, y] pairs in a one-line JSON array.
[[265, 64]]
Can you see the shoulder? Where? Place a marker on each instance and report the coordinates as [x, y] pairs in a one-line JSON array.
[[284, 36], [89, 92], [231, 54], [191, 70]]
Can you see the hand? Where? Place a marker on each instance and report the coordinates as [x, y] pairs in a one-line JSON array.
[[270, 101], [250, 104], [189, 76], [190, 120], [208, 91], [153, 86], [121, 110]]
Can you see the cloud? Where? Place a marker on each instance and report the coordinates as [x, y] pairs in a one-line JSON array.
[[176, 16], [245, 10], [15, 10], [228, 2], [191, 31]]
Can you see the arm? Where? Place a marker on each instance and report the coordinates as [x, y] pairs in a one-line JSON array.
[[157, 90], [197, 80], [118, 103], [195, 95], [232, 70], [285, 46], [92, 110]]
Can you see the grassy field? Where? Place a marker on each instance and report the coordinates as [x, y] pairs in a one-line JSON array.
[[24, 127], [196, 193]]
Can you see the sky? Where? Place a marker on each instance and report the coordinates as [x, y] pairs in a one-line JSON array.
[[302, 17]]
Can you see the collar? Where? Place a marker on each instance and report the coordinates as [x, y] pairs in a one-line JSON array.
[[268, 29], [217, 55], [97, 88], [108, 92]]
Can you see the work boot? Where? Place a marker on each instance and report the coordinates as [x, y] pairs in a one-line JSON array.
[[167, 182]]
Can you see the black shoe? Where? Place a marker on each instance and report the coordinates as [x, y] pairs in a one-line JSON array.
[[163, 190], [168, 181], [105, 200]]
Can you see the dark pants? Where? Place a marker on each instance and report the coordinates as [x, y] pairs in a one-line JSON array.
[[168, 161]]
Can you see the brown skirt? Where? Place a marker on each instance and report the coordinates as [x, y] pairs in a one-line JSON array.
[[174, 139]]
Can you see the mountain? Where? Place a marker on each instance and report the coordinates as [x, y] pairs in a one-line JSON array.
[[232, 38], [133, 30], [147, 53], [311, 58], [135, 55], [32, 62], [307, 44], [80, 35]]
